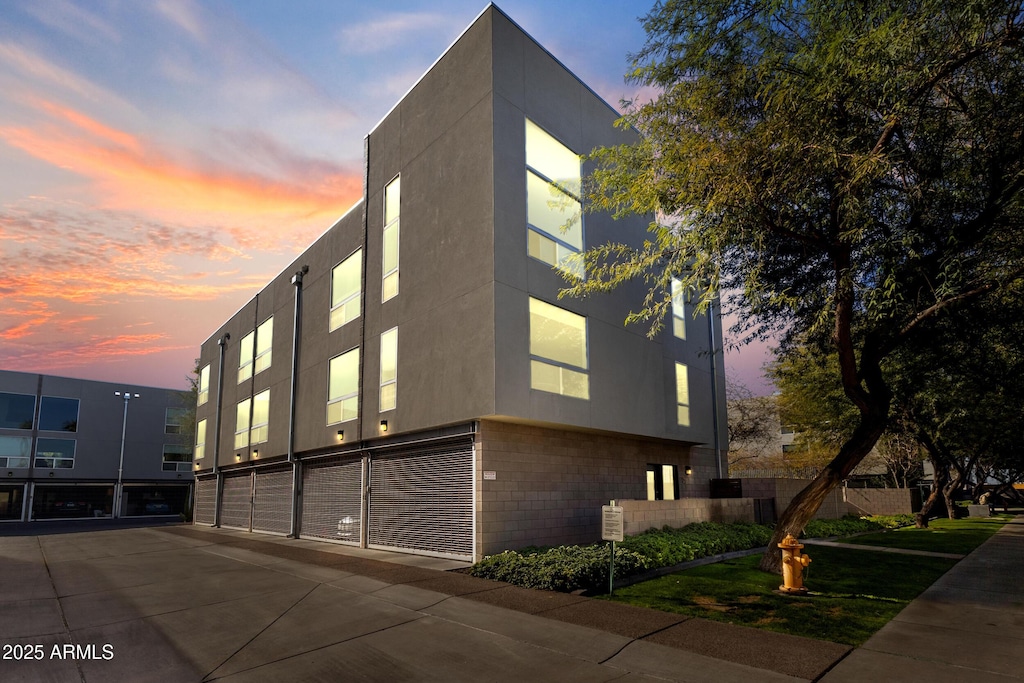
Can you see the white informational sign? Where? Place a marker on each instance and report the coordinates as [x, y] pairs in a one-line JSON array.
[[490, 475], [611, 523]]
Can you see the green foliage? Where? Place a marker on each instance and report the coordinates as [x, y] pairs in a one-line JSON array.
[[847, 526], [565, 568], [670, 546]]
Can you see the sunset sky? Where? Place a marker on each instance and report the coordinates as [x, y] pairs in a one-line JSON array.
[[161, 161]]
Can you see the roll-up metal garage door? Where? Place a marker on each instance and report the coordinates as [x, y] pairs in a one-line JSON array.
[[272, 502], [331, 503], [236, 502], [206, 501], [422, 500]]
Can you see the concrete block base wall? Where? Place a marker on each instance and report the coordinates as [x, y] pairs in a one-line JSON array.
[[543, 486], [641, 515], [878, 501]]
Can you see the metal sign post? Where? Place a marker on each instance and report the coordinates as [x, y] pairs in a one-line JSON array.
[[611, 530]]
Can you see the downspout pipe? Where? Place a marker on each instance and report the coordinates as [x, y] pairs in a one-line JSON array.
[[714, 388], [221, 344], [296, 325]]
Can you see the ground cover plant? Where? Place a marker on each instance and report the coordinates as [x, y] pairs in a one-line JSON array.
[[942, 535]]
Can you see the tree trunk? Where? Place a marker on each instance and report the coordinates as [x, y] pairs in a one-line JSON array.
[[806, 503], [941, 473]]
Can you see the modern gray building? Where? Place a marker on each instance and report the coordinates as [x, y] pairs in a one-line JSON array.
[[72, 448], [413, 381]]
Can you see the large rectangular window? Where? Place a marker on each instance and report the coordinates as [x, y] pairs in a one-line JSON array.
[[389, 369], [553, 209], [55, 453], [200, 450], [346, 287], [246, 348], [678, 310], [204, 385], [682, 395], [392, 209], [558, 350], [58, 414], [17, 411], [264, 345], [260, 430], [177, 458], [243, 412], [343, 388], [15, 451]]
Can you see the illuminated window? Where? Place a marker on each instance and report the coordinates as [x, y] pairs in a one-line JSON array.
[[264, 345], [558, 350], [346, 287], [662, 482], [389, 369], [554, 213], [678, 310], [260, 417], [343, 388], [242, 414], [392, 207], [204, 385], [200, 450], [682, 395], [245, 356]]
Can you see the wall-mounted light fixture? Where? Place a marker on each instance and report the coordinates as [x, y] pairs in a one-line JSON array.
[[383, 426], [238, 456], [688, 470], [10, 474], [256, 454], [51, 474], [341, 435]]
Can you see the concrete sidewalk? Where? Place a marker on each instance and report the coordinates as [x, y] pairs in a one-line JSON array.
[[968, 626], [186, 603]]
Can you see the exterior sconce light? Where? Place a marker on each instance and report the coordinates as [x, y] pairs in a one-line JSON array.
[[10, 474], [256, 454], [51, 474], [383, 426], [688, 470], [341, 435], [238, 456]]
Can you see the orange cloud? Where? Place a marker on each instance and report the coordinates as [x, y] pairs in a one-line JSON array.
[[133, 175]]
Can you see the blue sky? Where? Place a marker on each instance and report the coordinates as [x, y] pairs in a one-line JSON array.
[[161, 161]]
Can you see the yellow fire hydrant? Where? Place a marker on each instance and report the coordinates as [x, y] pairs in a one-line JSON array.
[[793, 564]]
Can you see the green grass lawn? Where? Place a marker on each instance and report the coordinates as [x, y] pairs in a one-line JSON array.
[[854, 592], [942, 535]]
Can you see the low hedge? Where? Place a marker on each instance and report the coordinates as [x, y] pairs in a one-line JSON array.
[[574, 567]]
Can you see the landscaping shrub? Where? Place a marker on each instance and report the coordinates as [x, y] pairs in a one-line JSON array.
[[671, 545], [825, 528], [565, 568], [893, 521]]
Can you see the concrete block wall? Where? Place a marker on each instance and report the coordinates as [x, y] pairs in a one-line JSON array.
[[878, 501], [641, 515], [834, 507], [545, 486]]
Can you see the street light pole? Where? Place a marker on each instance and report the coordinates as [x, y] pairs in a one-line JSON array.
[[119, 489]]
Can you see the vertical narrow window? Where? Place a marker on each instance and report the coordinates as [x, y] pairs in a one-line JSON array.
[[200, 450], [392, 208], [343, 387], [662, 482], [678, 310], [242, 414], [346, 288], [259, 431], [682, 395], [204, 385], [389, 369], [264, 345], [554, 213], [558, 350], [245, 353]]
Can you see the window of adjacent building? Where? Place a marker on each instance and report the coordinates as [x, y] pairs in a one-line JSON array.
[[58, 414], [392, 208], [55, 453], [204, 385], [264, 345], [245, 356], [15, 451], [177, 458], [200, 449], [662, 482], [558, 350], [553, 210], [678, 310], [173, 419], [389, 369], [343, 388], [346, 287], [17, 411], [682, 395]]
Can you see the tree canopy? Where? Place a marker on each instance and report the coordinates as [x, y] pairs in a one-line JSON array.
[[846, 172]]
